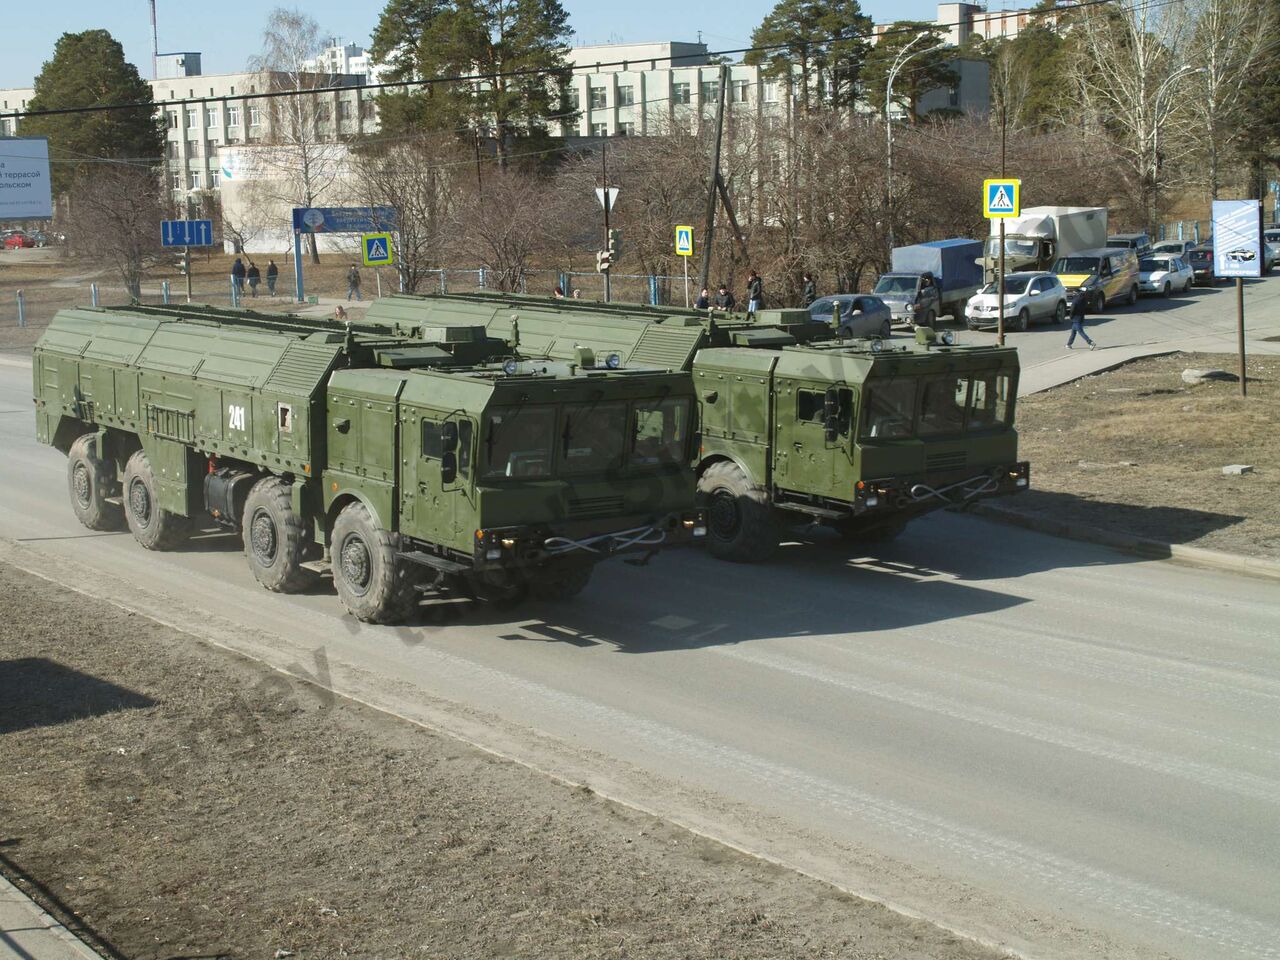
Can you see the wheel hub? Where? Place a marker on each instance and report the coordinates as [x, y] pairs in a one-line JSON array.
[[724, 518], [81, 485], [357, 570], [140, 502], [262, 537]]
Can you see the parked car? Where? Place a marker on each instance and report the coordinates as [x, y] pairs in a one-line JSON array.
[[1028, 297], [1100, 276], [39, 238], [16, 240], [861, 315], [1175, 248], [1164, 274], [1200, 259], [1139, 243]]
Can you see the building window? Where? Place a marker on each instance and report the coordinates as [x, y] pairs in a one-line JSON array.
[[322, 111], [710, 91], [770, 92], [626, 129], [627, 96], [175, 180], [680, 93], [344, 109], [575, 101], [255, 116], [212, 118], [193, 148], [233, 116], [599, 129], [367, 109], [4, 128], [213, 179], [171, 149], [173, 119], [193, 118], [597, 98], [738, 91], [195, 179]]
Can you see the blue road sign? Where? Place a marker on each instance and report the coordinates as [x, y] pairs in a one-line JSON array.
[[186, 233], [376, 249], [1237, 238], [1000, 198], [343, 219]]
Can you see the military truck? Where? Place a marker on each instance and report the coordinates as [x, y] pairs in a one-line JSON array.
[[1034, 240], [396, 462], [795, 423]]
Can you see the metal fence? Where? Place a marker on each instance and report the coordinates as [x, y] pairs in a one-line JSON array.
[[1196, 231]]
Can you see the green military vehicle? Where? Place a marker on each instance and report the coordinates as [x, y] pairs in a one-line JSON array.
[[395, 461], [795, 424]]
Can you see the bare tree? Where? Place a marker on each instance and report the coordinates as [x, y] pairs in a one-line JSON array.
[[115, 220], [308, 157], [509, 223]]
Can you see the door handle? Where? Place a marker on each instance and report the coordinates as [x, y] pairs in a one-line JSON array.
[[799, 446]]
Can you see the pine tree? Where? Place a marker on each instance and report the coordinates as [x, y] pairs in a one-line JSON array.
[[88, 69], [926, 69], [823, 39]]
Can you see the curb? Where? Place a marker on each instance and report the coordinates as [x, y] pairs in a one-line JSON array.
[[1139, 546], [31, 932]]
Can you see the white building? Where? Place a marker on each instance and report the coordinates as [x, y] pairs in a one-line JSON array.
[[961, 21], [349, 59]]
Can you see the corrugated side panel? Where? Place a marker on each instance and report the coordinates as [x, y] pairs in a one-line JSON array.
[[670, 348], [302, 367]]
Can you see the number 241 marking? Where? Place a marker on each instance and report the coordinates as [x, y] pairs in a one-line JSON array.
[[235, 417]]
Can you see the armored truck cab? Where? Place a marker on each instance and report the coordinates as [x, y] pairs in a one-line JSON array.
[[392, 460], [795, 423]]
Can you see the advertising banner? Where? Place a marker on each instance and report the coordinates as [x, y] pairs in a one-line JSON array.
[[25, 192], [1237, 238]]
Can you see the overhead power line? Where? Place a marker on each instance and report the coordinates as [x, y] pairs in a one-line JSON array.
[[513, 74]]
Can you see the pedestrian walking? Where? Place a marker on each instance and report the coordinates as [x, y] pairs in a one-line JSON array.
[[755, 292], [237, 276], [810, 290], [273, 274], [703, 302], [353, 283], [725, 300], [1077, 324], [254, 276]]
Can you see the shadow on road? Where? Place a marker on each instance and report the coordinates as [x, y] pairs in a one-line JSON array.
[[42, 693]]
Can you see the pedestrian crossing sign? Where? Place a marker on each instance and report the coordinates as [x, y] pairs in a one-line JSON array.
[[684, 241], [376, 248], [1000, 198]]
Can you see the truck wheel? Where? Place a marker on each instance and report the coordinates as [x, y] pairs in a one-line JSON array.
[[886, 330], [1060, 314], [740, 524], [152, 526], [275, 541], [560, 583], [1024, 320], [372, 584], [1133, 296], [90, 481], [1099, 302]]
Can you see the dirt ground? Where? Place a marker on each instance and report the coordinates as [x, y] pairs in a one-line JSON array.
[[168, 800], [1137, 451]]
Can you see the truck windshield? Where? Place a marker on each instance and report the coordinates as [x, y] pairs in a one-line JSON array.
[[1012, 285], [1070, 265], [895, 284], [947, 405], [518, 441], [1013, 247], [594, 439], [889, 410], [660, 432]]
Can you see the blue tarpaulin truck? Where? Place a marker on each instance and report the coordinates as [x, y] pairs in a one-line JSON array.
[[930, 280]]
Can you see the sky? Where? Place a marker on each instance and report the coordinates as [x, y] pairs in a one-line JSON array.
[[230, 32]]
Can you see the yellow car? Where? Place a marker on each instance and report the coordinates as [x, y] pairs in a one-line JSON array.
[[1101, 276]]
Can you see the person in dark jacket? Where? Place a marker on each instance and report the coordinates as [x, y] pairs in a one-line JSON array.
[[273, 274], [237, 276], [810, 290], [254, 276], [1077, 325], [755, 292], [353, 282], [703, 302], [725, 300]]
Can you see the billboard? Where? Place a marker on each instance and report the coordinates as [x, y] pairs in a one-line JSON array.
[[25, 192], [1237, 238]]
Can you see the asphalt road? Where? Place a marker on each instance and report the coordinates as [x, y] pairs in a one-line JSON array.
[[1045, 744]]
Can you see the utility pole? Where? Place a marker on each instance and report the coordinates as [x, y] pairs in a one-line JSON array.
[[1000, 280], [604, 176], [713, 184]]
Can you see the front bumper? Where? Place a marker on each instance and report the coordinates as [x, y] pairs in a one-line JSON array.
[[925, 492], [513, 548], [981, 321]]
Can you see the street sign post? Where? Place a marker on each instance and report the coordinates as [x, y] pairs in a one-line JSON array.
[[1237, 252], [315, 220], [376, 250], [186, 234], [684, 250], [1001, 199]]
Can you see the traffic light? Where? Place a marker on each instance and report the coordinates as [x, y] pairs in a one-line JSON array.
[[182, 265], [615, 244], [604, 260]]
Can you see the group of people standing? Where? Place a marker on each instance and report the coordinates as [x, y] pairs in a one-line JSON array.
[[725, 300], [251, 276]]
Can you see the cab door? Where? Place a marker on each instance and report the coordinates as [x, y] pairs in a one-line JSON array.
[[814, 437], [436, 497]]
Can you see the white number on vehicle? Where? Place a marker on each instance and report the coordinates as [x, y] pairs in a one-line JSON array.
[[235, 417]]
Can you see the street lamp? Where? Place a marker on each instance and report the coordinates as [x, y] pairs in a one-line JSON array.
[[899, 62], [1183, 71]]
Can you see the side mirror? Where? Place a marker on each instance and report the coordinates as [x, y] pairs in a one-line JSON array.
[[1033, 293], [449, 467], [829, 430], [449, 436], [830, 404]]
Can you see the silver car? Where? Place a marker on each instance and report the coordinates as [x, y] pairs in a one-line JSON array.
[[861, 315], [1028, 297]]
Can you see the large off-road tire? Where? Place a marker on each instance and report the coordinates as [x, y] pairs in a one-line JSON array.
[[90, 480], [561, 582], [275, 538], [151, 525], [740, 522], [1060, 314], [1024, 320], [372, 583]]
